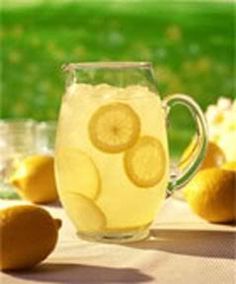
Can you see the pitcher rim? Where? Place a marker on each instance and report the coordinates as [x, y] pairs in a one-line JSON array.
[[107, 65]]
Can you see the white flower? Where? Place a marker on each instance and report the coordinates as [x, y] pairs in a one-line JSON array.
[[221, 119]]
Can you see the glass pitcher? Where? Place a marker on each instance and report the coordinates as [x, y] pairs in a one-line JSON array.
[[112, 158]]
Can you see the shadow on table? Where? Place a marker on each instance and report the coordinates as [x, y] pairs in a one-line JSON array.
[[55, 204], [219, 244], [75, 273]]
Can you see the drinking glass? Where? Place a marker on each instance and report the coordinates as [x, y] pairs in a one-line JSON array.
[[17, 140], [45, 137]]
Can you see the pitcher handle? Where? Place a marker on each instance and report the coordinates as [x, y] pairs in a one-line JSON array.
[[179, 180]]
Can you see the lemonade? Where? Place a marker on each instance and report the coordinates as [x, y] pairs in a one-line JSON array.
[[111, 159]]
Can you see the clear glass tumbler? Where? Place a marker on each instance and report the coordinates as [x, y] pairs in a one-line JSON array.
[[17, 140]]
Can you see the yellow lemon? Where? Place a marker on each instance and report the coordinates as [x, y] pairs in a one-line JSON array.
[[145, 162], [28, 234], [211, 194], [34, 179], [114, 127], [230, 166], [214, 156]]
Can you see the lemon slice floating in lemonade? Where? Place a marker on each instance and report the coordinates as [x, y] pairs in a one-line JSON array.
[[145, 163], [72, 163], [114, 127], [84, 213]]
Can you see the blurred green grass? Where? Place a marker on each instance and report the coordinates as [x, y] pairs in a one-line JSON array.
[[189, 43]]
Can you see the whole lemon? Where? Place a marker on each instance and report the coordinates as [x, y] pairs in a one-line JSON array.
[[211, 195], [28, 234], [214, 156], [34, 179]]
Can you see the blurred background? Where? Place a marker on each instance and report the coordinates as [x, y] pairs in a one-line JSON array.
[[189, 42]]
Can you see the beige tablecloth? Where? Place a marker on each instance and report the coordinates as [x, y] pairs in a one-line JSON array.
[[183, 249]]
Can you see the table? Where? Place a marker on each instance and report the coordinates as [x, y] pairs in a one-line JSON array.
[[183, 249]]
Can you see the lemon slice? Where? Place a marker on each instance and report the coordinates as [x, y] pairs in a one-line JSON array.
[[114, 127], [76, 172], [84, 213], [145, 163]]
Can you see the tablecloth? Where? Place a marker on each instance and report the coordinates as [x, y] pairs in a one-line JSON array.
[[182, 249]]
